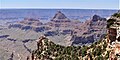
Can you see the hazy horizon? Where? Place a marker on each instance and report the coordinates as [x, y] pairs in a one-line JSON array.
[[57, 9], [60, 4]]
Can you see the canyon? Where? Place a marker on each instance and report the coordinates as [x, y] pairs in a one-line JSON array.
[[19, 38]]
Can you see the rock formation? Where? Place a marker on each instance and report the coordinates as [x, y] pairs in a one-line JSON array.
[[59, 20], [91, 30], [31, 21], [30, 24], [87, 32]]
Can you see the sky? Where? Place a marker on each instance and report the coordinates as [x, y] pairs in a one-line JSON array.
[[57, 4]]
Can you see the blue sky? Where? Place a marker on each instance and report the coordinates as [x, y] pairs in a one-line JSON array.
[[72, 4]]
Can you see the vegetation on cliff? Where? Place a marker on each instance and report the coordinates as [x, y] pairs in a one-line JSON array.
[[116, 15], [113, 19], [49, 50]]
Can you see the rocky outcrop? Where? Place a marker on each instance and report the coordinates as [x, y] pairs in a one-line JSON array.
[[113, 36]]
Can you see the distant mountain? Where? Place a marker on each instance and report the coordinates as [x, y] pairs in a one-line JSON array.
[[46, 14], [59, 20], [59, 15]]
